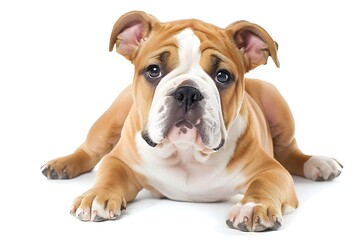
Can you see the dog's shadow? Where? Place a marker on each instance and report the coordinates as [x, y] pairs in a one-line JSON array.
[[306, 188]]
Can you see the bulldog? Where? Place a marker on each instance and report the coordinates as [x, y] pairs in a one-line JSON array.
[[191, 127]]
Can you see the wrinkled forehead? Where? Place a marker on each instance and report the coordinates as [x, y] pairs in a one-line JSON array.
[[187, 40]]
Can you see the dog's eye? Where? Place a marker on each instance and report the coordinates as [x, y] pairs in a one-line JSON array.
[[153, 71], [222, 77]]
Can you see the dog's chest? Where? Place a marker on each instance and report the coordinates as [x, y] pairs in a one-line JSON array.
[[179, 175]]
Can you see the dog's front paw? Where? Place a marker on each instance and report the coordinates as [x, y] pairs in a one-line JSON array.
[[55, 170], [320, 168], [254, 217], [98, 204], [69, 166]]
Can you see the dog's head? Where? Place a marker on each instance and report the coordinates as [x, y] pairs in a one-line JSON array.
[[188, 83]]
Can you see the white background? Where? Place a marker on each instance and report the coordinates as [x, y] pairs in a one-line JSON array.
[[57, 77]]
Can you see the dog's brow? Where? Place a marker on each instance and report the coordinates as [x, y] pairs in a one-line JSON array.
[[170, 45], [211, 48], [164, 56], [162, 50], [215, 55], [215, 61]]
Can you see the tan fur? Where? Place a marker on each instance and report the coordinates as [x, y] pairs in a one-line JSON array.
[[269, 132]]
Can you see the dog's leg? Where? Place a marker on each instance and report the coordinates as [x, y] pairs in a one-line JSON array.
[[115, 186], [270, 194], [282, 128], [101, 139]]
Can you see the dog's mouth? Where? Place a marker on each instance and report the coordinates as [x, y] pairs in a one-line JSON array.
[[183, 134]]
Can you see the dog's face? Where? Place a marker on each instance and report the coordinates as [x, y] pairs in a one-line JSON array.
[[188, 81]]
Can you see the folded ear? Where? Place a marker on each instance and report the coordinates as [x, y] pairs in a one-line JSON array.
[[129, 31], [255, 42]]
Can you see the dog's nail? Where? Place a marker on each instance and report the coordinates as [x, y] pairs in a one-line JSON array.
[[257, 219], [320, 178], [72, 211], [277, 224], [246, 219], [45, 171], [259, 228], [331, 177], [242, 227], [96, 217], [339, 163], [230, 223], [53, 174]]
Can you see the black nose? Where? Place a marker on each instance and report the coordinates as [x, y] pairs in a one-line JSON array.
[[187, 97]]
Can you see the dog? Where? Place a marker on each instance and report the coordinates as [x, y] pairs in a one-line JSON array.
[[191, 127]]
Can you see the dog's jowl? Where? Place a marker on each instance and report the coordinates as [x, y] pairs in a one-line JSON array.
[[190, 127]]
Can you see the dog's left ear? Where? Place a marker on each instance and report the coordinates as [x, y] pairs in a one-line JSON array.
[[255, 43], [129, 31]]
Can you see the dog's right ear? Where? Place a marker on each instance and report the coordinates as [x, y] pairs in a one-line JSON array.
[[129, 31], [255, 43]]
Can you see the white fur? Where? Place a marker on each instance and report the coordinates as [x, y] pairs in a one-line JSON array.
[[83, 214], [101, 212], [188, 69], [97, 212], [321, 167], [186, 175], [287, 209], [238, 212]]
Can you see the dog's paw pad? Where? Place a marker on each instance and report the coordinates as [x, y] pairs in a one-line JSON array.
[[320, 168]]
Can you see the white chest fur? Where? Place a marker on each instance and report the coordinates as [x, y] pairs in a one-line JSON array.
[[178, 174]]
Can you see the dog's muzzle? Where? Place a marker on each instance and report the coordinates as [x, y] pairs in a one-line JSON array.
[[188, 120]]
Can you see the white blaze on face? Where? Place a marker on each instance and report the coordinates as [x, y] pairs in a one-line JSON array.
[[189, 51], [189, 70]]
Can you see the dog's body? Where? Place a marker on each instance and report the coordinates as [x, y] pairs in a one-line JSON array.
[[192, 128]]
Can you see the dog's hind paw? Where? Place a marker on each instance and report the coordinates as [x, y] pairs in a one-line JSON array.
[[320, 168]]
